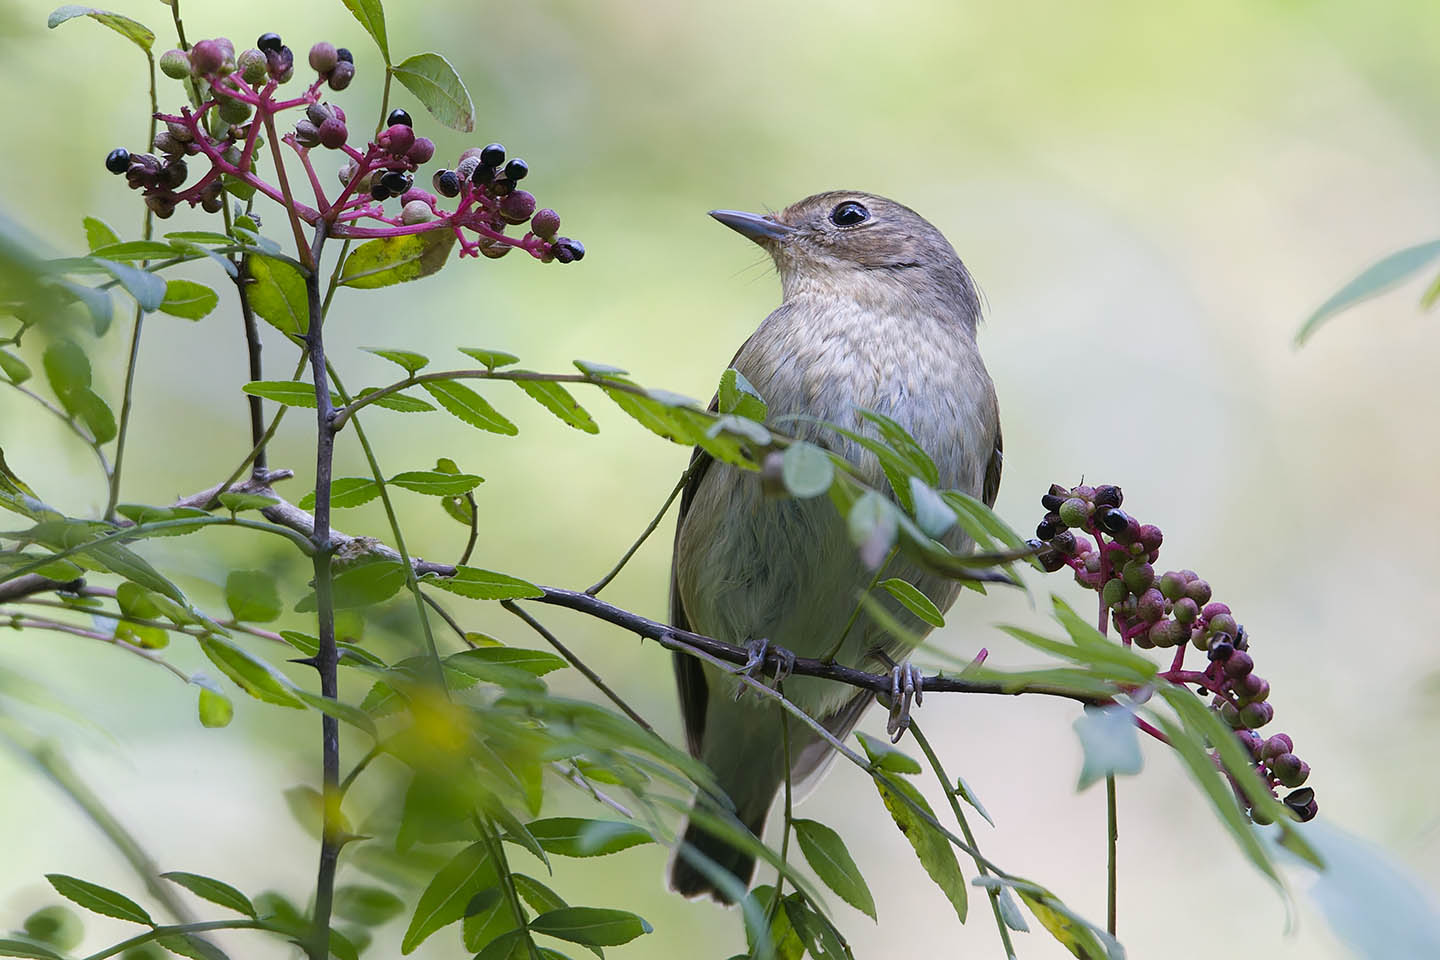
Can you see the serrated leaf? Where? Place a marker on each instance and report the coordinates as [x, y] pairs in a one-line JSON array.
[[444, 900], [250, 674], [931, 846], [535, 662], [435, 483], [1378, 278], [398, 401], [15, 369], [131, 250], [439, 88], [806, 470], [291, 393], [99, 899], [580, 837], [216, 891], [215, 709], [913, 600], [826, 853], [361, 585], [252, 596], [408, 359], [132, 30], [277, 294], [390, 260], [98, 233], [492, 359], [469, 406], [345, 492], [1110, 743], [594, 926], [591, 369], [485, 585], [91, 410], [738, 396], [371, 14], [188, 299], [555, 398]]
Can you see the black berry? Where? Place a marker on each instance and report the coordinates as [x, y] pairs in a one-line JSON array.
[[492, 156], [398, 116], [446, 183], [269, 42], [379, 191], [567, 250], [118, 160], [395, 182], [483, 174], [516, 169], [344, 54], [1114, 522]]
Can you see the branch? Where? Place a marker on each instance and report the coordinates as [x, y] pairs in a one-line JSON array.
[[33, 583]]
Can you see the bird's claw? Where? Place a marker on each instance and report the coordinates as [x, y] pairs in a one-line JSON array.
[[906, 684], [754, 664]]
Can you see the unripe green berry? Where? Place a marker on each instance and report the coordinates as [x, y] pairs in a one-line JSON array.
[[1185, 610], [1172, 585], [1139, 576], [175, 64], [235, 111], [1231, 715], [1168, 633], [1074, 512], [1224, 623], [1256, 715], [1113, 592], [1199, 591], [252, 66]]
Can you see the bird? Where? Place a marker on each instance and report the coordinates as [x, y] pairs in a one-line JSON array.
[[879, 313]]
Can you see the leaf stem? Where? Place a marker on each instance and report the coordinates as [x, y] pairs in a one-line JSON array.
[[604, 581], [1113, 836]]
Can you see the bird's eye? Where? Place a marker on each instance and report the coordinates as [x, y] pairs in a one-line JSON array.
[[848, 214]]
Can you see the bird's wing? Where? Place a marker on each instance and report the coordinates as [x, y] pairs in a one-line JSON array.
[[991, 486], [689, 674]]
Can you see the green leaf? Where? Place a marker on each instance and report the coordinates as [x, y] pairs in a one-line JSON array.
[[98, 233], [30, 951], [469, 406], [361, 584], [534, 662], [66, 368], [738, 396], [964, 792], [436, 484], [216, 891], [832, 863], [593, 926], [933, 515], [132, 30], [215, 709], [579, 837], [371, 906], [99, 899], [873, 528], [277, 294], [902, 443], [885, 756], [1070, 930], [240, 502], [94, 413], [371, 14], [439, 88], [490, 358], [147, 288], [806, 469], [188, 299], [401, 402], [250, 674], [555, 398], [542, 899], [390, 260], [485, 585], [1378, 278], [252, 596], [291, 393], [444, 901], [345, 492], [914, 601], [409, 359], [15, 369], [96, 301], [343, 712], [132, 250], [931, 846], [1108, 737]]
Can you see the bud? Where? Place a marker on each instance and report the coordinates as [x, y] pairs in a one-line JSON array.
[[175, 64], [323, 57]]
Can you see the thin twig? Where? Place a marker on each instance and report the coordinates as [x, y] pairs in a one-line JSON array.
[[604, 581], [1112, 875]]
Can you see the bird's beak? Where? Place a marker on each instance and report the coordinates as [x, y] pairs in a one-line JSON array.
[[752, 225]]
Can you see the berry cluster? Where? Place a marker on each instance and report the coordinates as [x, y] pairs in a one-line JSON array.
[[238, 101], [1168, 610]]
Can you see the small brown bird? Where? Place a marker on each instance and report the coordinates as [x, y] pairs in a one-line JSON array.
[[878, 313]]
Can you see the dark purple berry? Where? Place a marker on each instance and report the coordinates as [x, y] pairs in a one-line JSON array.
[[1050, 560], [1221, 650], [344, 55], [341, 76], [378, 191], [1115, 522], [1276, 745], [398, 116], [446, 183], [1064, 541], [484, 173], [420, 151], [118, 160], [492, 156], [1238, 664], [516, 169], [501, 187], [517, 207], [269, 42], [1047, 529], [545, 223], [1108, 495], [395, 182], [567, 250], [1051, 502]]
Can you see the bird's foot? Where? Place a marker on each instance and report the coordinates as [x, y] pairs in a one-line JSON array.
[[757, 650], [906, 685]]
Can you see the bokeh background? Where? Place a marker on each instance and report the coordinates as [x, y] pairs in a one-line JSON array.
[[1152, 199]]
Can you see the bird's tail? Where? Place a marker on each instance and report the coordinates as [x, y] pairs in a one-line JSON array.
[[689, 880]]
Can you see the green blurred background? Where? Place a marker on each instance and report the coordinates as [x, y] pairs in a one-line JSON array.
[[1152, 199]]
